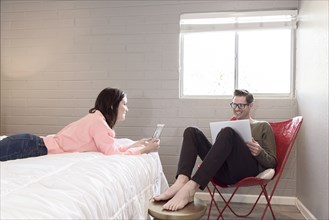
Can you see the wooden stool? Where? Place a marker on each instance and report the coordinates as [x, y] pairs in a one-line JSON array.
[[193, 210]]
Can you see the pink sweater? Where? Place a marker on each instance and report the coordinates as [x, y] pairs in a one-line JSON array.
[[89, 134]]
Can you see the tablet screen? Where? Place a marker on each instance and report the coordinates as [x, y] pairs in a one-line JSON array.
[[158, 131], [242, 127]]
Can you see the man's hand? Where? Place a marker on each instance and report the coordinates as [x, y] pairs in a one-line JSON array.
[[254, 147]]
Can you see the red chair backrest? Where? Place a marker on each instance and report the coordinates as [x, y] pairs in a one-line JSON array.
[[285, 133]]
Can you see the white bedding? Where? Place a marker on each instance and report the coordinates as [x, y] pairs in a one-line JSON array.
[[80, 186]]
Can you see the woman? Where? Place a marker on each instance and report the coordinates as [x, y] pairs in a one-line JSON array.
[[228, 160], [92, 133]]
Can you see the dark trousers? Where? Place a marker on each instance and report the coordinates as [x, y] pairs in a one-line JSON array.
[[228, 160], [21, 146]]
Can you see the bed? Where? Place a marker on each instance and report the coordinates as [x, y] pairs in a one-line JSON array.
[[80, 186]]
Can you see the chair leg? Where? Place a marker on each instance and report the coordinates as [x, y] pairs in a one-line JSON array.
[[213, 201], [268, 203], [227, 202], [254, 205]]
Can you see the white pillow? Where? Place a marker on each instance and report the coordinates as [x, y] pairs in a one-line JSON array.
[[266, 174], [2, 137]]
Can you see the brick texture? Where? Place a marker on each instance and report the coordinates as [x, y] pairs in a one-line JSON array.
[[56, 56]]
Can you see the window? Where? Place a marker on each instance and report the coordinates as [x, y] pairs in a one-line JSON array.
[[250, 50]]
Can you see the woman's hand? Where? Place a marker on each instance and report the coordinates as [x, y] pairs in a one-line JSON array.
[[151, 145], [140, 143], [254, 147]]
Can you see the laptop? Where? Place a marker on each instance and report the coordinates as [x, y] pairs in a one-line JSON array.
[[242, 127]]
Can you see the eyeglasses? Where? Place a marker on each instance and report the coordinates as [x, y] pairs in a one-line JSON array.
[[239, 105]]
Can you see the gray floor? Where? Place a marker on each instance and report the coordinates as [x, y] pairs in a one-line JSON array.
[[282, 212]]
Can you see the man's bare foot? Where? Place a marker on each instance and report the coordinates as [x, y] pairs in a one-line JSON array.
[[172, 190], [184, 196]]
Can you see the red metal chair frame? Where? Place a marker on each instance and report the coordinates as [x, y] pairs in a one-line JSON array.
[[285, 133]]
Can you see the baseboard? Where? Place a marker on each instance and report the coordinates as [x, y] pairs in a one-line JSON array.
[[305, 212], [276, 200]]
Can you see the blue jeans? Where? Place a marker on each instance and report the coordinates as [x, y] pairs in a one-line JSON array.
[[21, 146]]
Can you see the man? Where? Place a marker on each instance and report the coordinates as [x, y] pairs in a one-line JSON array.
[[228, 160]]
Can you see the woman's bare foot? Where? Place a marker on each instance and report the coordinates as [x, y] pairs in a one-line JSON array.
[[172, 190], [184, 196]]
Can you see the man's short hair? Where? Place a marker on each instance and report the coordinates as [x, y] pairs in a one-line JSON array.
[[245, 93]]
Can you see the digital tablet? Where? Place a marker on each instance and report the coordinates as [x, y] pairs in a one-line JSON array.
[[158, 131], [242, 127]]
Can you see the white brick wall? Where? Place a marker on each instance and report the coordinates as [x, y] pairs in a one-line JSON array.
[[56, 56]]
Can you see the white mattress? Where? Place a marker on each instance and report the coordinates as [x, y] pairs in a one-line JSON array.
[[80, 186]]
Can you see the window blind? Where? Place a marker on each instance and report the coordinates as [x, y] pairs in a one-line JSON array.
[[219, 21]]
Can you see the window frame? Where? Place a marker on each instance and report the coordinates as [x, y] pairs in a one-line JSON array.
[[293, 28]]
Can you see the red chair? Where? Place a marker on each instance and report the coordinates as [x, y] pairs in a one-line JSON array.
[[285, 133]]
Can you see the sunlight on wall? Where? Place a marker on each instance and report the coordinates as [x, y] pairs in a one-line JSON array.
[[23, 64], [34, 58]]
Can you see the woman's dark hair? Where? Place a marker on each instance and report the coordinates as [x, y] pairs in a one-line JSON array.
[[107, 103], [245, 93]]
